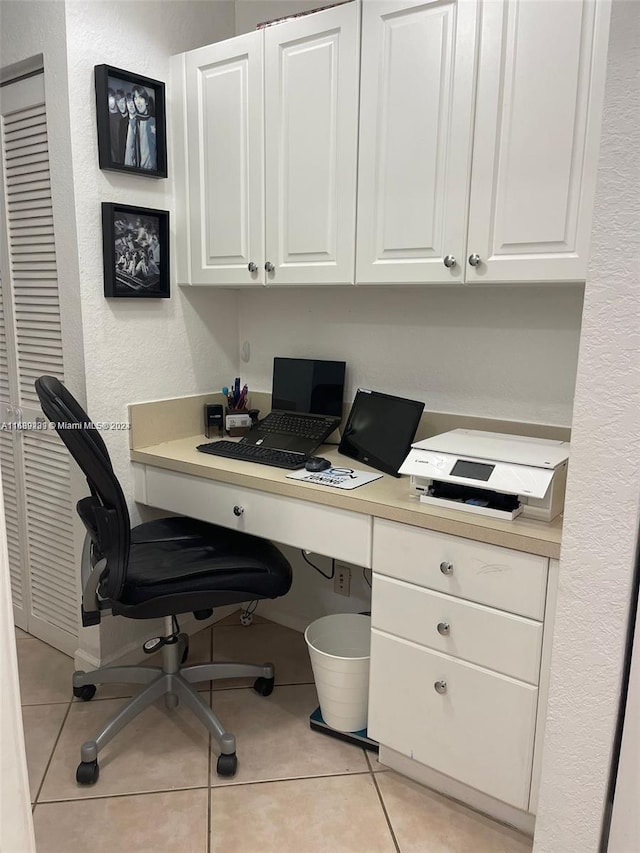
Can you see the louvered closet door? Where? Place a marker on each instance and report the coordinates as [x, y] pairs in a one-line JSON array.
[[37, 476]]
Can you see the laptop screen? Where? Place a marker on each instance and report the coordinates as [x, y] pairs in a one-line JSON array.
[[308, 385], [380, 429]]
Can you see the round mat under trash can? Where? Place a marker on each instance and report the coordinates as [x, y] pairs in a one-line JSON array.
[[339, 648]]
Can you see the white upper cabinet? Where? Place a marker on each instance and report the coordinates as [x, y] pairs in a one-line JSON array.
[[416, 111], [527, 121], [311, 142], [271, 148], [537, 133], [225, 154], [472, 128]]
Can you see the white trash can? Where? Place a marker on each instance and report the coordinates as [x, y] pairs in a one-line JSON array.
[[339, 648]]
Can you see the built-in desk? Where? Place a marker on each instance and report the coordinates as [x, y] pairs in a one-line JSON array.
[[387, 498], [490, 582]]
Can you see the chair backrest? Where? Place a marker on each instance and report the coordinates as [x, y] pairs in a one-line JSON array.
[[105, 513]]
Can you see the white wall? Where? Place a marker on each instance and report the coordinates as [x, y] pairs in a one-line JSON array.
[[603, 493], [16, 825], [139, 349], [625, 817], [501, 352]]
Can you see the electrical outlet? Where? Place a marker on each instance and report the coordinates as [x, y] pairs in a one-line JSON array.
[[342, 580]]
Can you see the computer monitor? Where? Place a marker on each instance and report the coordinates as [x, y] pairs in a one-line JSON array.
[[380, 429], [308, 385]]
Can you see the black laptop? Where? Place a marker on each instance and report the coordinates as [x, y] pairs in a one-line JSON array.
[[306, 405]]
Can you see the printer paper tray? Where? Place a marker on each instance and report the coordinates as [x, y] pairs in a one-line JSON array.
[[478, 510]]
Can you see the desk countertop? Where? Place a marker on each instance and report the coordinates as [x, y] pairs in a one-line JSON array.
[[387, 498]]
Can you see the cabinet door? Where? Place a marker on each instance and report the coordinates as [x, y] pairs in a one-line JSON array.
[[311, 108], [537, 132], [224, 101], [416, 104], [469, 723]]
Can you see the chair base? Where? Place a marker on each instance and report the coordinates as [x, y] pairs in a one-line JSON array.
[[174, 683]]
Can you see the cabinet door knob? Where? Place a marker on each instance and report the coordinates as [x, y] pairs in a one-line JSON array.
[[252, 267], [269, 266], [449, 261], [238, 510], [446, 568], [444, 628], [475, 260], [440, 687]]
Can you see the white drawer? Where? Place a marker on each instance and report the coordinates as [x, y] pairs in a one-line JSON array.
[[480, 731], [490, 638], [502, 578], [301, 524]]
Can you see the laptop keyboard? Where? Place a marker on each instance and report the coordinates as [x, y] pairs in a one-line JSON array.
[[255, 453], [304, 426]]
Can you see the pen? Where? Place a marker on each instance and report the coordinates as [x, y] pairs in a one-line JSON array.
[[243, 397]]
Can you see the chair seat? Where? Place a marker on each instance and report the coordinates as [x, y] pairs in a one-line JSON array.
[[177, 557]]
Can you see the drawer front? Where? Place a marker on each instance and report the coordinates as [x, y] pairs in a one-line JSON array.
[[490, 638], [499, 577], [321, 529], [479, 731]]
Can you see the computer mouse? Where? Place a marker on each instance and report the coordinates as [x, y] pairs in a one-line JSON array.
[[317, 463]]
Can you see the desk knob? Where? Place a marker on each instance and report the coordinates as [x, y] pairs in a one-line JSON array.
[[446, 568], [444, 628], [440, 687], [238, 510]]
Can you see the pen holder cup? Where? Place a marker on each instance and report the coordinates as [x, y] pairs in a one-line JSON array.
[[237, 422]]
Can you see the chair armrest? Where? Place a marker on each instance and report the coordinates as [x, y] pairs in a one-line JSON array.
[[90, 580]]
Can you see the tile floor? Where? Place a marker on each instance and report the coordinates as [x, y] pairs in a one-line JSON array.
[[296, 791]]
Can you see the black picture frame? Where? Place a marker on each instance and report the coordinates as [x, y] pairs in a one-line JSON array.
[[135, 251], [132, 135]]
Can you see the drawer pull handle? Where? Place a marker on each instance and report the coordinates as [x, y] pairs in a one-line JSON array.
[[440, 687], [238, 510], [446, 568], [444, 628]]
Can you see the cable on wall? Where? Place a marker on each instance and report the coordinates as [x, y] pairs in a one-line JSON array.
[[319, 570]]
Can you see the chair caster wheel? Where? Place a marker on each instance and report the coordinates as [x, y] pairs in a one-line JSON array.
[[227, 765], [86, 692], [263, 686], [87, 773]]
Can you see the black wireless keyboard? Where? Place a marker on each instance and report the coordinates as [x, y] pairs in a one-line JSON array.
[[255, 453]]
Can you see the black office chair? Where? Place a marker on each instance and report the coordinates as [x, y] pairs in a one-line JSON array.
[[159, 568]]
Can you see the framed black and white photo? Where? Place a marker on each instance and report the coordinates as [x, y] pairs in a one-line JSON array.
[[135, 248], [131, 122]]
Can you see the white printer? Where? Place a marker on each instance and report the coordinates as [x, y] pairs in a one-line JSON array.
[[490, 473]]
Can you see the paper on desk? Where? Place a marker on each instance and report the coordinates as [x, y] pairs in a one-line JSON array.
[[337, 478]]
